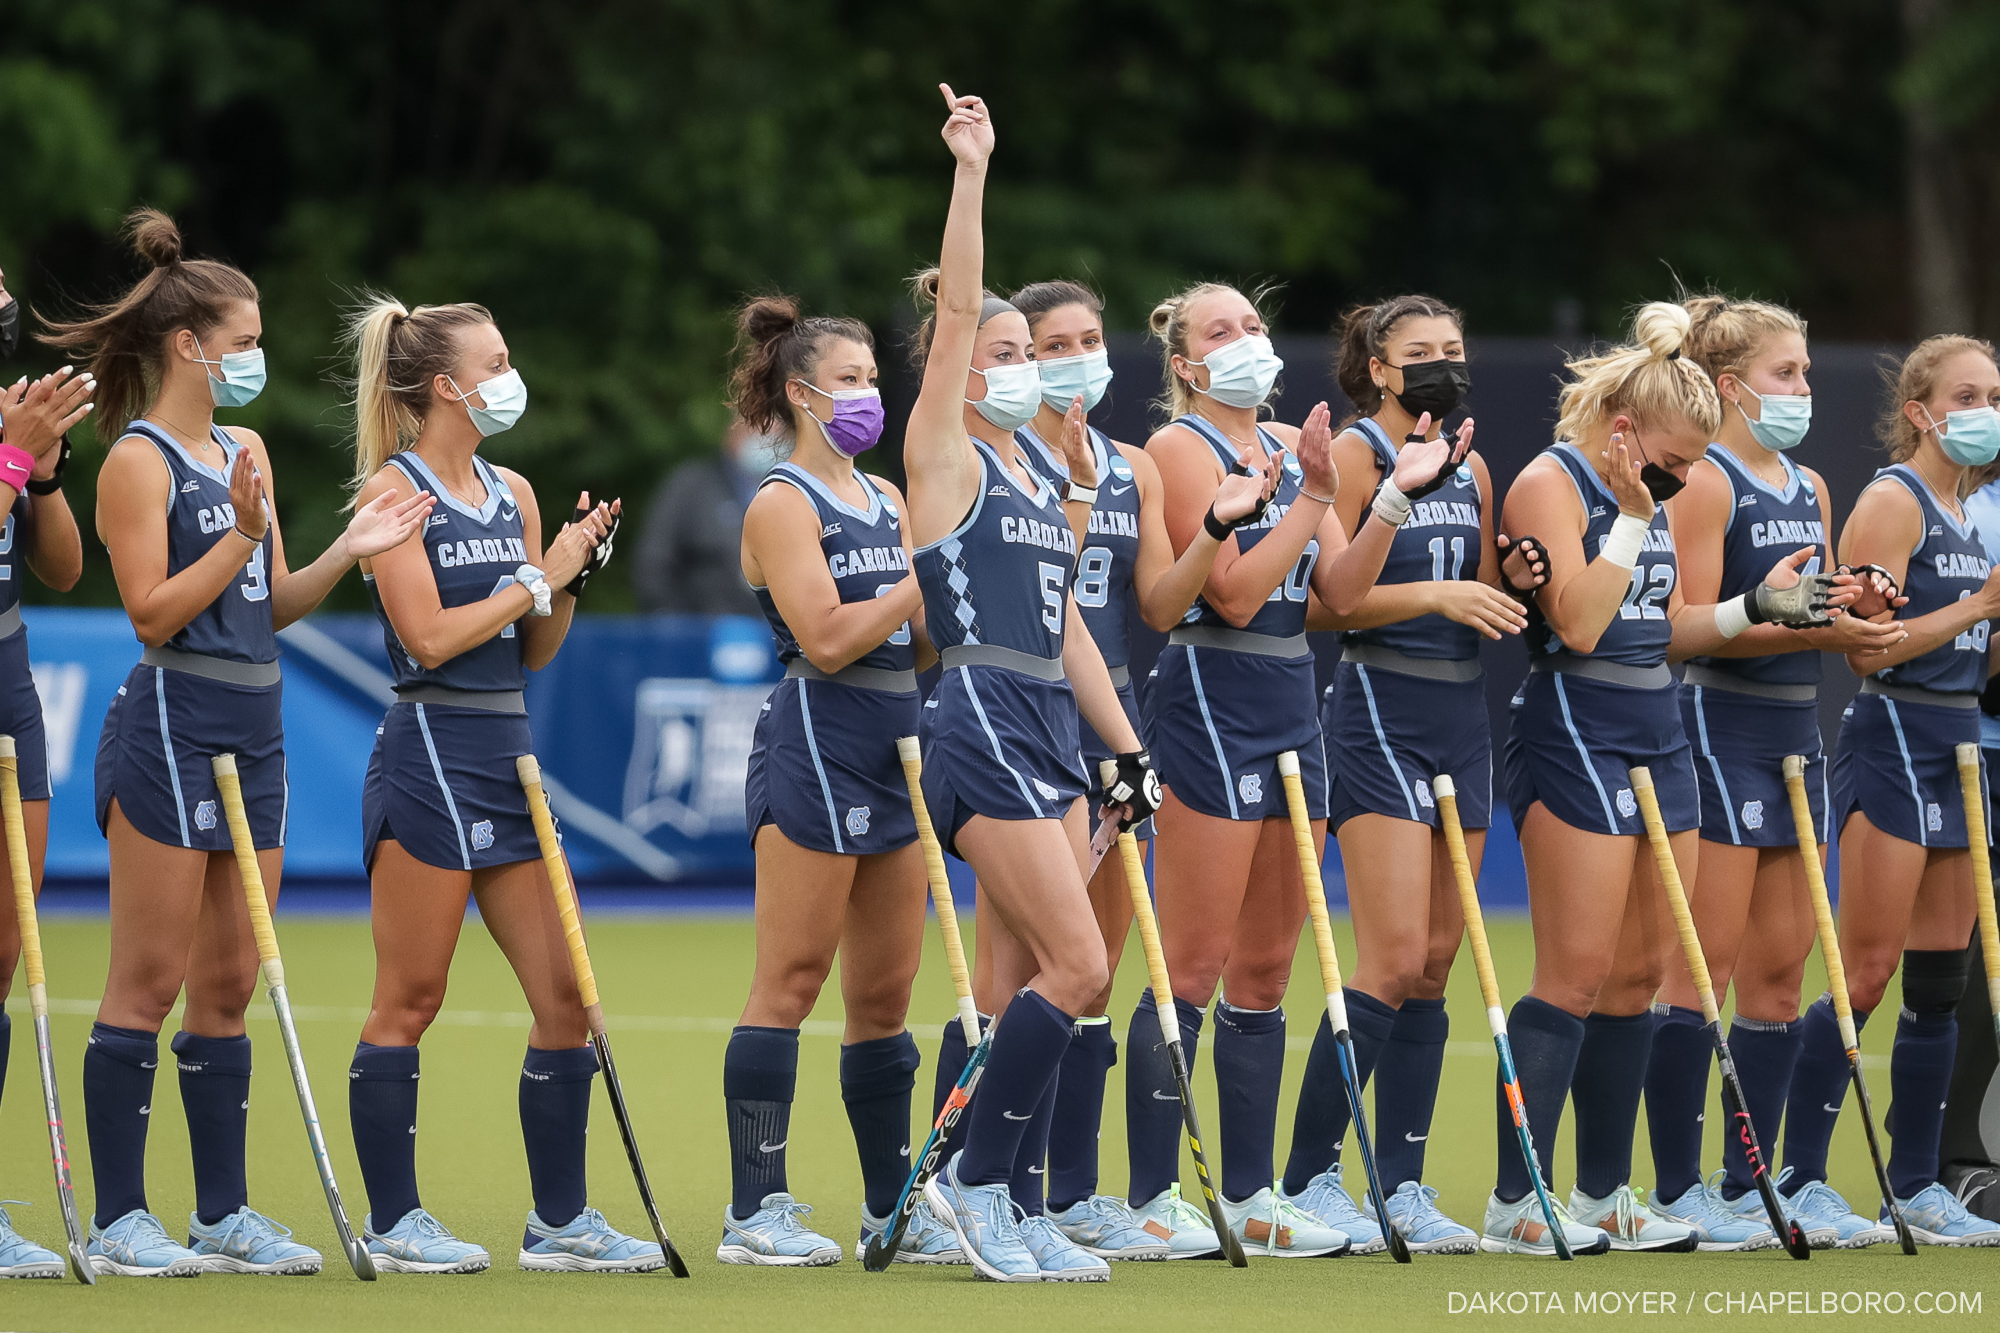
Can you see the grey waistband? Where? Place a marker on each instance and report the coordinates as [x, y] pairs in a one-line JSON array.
[[986, 654], [1388, 659], [493, 701], [860, 677], [1917, 694], [1241, 641], [1611, 673], [1121, 676], [1708, 678], [10, 621], [213, 668]]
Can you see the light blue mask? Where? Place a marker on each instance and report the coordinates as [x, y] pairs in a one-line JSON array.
[[1241, 373], [242, 375], [1066, 377], [1970, 438], [1782, 421], [506, 399], [1013, 393]]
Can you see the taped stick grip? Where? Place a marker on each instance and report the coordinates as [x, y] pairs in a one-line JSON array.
[[1982, 871], [1829, 932], [1446, 792], [230, 784], [1329, 963], [24, 877], [557, 865], [910, 751], [1677, 902], [1149, 937]]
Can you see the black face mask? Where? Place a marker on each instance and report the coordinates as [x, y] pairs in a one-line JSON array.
[[1434, 387], [10, 328], [1661, 484]]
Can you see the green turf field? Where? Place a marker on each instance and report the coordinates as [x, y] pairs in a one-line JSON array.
[[673, 987]]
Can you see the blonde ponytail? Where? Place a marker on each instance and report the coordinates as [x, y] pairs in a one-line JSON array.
[[1647, 379], [396, 354]]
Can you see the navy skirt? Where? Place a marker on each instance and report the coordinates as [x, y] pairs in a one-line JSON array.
[[160, 735], [442, 783], [1388, 737], [824, 767]]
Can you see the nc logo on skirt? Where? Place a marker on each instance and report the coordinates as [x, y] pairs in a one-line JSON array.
[[204, 815], [1250, 787], [1048, 793], [857, 821], [1424, 795], [1753, 814], [1627, 804], [482, 835]]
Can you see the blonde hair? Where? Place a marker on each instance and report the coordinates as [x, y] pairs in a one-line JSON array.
[[396, 354], [1647, 379], [1168, 323], [1725, 336], [1914, 381]]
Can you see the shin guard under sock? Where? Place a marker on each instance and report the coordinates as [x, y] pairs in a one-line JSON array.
[[215, 1095], [1153, 1097], [1545, 1040], [1319, 1124], [382, 1109], [1406, 1086], [1677, 1097], [1765, 1054], [760, 1071], [1819, 1085], [1020, 1067], [876, 1079], [1249, 1068], [1079, 1113], [555, 1116], [1610, 1079], [118, 1068]]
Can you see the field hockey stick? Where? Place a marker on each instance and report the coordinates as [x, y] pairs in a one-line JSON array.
[[1170, 1032], [1446, 793], [1982, 874], [252, 875], [557, 865], [1734, 1103], [882, 1247], [1336, 1001], [38, 1004], [1836, 984]]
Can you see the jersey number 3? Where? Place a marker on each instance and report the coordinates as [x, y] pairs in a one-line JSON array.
[[254, 587]]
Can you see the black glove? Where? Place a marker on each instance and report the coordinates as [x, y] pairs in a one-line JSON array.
[[1129, 780], [599, 558], [1862, 571], [1532, 553], [1445, 469]]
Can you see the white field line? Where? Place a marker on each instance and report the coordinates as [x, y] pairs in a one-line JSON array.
[[491, 1018]]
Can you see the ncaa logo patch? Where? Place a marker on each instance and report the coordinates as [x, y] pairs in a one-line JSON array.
[[1292, 466], [204, 815], [482, 835], [1250, 789], [857, 821], [1628, 805], [1048, 793], [1120, 468], [1753, 814], [1424, 795], [1934, 818]]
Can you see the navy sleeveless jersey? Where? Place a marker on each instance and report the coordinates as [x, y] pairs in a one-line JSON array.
[[1949, 565], [473, 554], [1440, 540], [1639, 629], [1283, 614], [236, 626], [864, 553], [1001, 578], [1766, 524], [1111, 552], [13, 561]]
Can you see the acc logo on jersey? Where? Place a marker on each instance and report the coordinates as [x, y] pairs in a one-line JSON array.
[[1424, 795], [204, 815], [857, 821], [1250, 789], [482, 835], [1627, 804], [1753, 814]]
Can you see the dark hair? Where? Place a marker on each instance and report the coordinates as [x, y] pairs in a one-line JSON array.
[[924, 293], [397, 353], [775, 344], [125, 342], [1039, 298], [1364, 332]]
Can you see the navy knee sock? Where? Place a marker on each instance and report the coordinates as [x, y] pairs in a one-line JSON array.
[[1319, 1123], [1765, 1055], [1020, 1066], [1031, 1162], [382, 1109], [1545, 1040], [876, 1079], [953, 1054], [1079, 1112], [555, 1116], [1153, 1097], [760, 1071], [118, 1068], [1919, 1076], [1406, 1088], [1819, 1085], [1249, 1067], [1610, 1078], [1677, 1097], [215, 1095]]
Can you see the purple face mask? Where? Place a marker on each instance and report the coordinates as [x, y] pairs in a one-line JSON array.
[[857, 419]]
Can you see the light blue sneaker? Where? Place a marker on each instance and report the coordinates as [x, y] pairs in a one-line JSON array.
[[1718, 1228], [983, 1217], [1936, 1217], [419, 1243], [1183, 1226], [775, 1236], [21, 1257], [1106, 1227], [1326, 1198], [589, 1244], [246, 1241], [1521, 1227], [1821, 1211], [1267, 1223], [1820, 1233], [136, 1245], [925, 1241], [1061, 1259], [1426, 1230]]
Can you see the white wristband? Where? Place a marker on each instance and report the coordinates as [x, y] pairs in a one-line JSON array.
[[1732, 617], [537, 584], [1628, 536], [1391, 505], [1083, 495]]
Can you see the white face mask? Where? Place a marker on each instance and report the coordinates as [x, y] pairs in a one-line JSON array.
[[1241, 373], [1065, 378], [1013, 394], [506, 397]]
